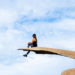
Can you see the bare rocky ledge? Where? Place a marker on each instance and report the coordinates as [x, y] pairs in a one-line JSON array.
[[69, 72], [44, 50]]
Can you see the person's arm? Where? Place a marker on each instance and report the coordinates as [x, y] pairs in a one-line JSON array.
[[32, 41]]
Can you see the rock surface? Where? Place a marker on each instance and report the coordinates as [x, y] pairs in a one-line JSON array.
[[69, 72], [44, 50]]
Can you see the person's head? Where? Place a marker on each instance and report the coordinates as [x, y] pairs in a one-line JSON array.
[[34, 35]]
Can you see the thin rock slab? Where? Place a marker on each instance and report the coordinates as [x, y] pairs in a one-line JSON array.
[[44, 50]]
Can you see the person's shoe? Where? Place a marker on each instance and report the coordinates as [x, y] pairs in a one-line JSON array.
[[25, 55]]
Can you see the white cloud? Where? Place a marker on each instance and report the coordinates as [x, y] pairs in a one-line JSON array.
[[66, 24], [58, 33], [10, 41], [39, 8], [7, 18], [39, 65]]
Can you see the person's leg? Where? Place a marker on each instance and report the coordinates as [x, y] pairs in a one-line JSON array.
[[28, 46], [27, 51]]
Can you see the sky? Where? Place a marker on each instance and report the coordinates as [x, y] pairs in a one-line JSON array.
[[54, 23]]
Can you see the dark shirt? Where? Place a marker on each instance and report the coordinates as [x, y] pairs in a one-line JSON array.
[[35, 44]]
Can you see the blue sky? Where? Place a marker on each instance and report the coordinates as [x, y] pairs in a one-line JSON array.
[[54, 23]]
